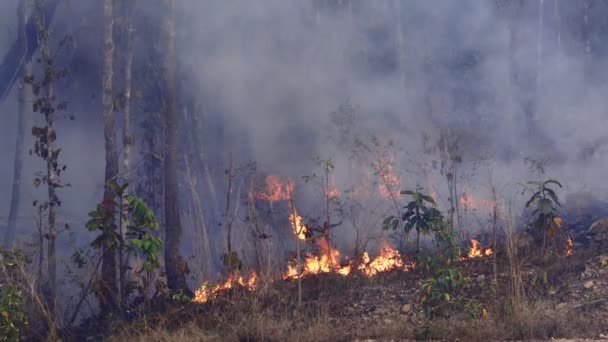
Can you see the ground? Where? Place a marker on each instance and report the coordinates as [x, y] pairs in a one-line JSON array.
[[563, 298]]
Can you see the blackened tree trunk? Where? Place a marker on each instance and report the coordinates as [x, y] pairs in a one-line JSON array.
[[176, 267], [108, 268], [24, 122]]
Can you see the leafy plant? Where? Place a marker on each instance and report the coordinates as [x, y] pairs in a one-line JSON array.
[[141, 225], [439, 291], [545, 201], [13, 318], [419, 215]]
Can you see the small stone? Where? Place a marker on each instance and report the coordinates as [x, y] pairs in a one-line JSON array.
[[481, 278], [561, 306], [388, 321], [588, 284], [407, 308]]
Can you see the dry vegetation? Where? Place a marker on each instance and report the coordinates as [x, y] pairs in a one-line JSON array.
[[387, 308]]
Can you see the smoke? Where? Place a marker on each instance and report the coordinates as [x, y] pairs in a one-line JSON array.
[[269, 74]]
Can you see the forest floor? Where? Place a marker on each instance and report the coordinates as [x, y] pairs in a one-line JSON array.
[[563, 298]]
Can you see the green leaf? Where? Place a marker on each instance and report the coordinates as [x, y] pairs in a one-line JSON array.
[[553, 181], [428, 199], [553, 195], [532, 199]]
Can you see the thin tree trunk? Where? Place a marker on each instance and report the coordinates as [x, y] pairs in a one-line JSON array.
[[108, 267], [253, 217], [298, 249], [199, 221], [175, 265], [400, 44], [227, 210], [51, 155], [539, 46], [24, 122], [558, 22], [494, 237]]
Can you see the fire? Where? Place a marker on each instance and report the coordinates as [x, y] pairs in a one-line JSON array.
[[207, 291], [569, 247], [389, 179], [333, 192], [299, 228], [467, 201], [276, 190], [388, 260], [477, 251]]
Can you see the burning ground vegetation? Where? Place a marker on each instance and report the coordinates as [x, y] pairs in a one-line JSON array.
[[524, 286]]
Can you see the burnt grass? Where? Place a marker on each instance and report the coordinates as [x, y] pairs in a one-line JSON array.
[[558, 302], [562, 297]]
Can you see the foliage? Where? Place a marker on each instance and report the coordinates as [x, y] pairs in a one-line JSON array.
[[417, 215], [544, 200], [180, 297], [13, 318], [439, 291], [141, 225]]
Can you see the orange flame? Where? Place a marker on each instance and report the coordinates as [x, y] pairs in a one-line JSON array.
[[276, 190], [477, 251], [333, 192], [299, 228], [389, 179], [388, 260], [569, 247], [207, 291]]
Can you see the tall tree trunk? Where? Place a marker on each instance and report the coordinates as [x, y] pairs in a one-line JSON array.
[[108, 267], [176, 267], [558, 23], [127, 139], [48, 153], [24, 122]]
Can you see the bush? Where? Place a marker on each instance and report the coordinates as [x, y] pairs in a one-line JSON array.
[[13, 318]]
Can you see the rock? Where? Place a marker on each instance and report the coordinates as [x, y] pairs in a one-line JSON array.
[[589, 284], [388, 321], [407, 308], [561, 306], [481, 278]]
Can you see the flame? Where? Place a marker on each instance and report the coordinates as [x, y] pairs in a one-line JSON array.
[[208, 291], [467, 200], [276, 190], [388, 260], [477, 251], [333, 192], [569, 247], [389, 179], [558, 221], [299, 228]]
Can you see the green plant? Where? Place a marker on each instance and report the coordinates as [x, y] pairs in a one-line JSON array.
[[417, 215], [544, 200], [180, 297], [439, 291], [141, 225], [13, 318]]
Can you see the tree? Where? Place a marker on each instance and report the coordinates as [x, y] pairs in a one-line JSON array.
[[108, 267], [45, 103], [24, 121], [176, 267], [18, 56]]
